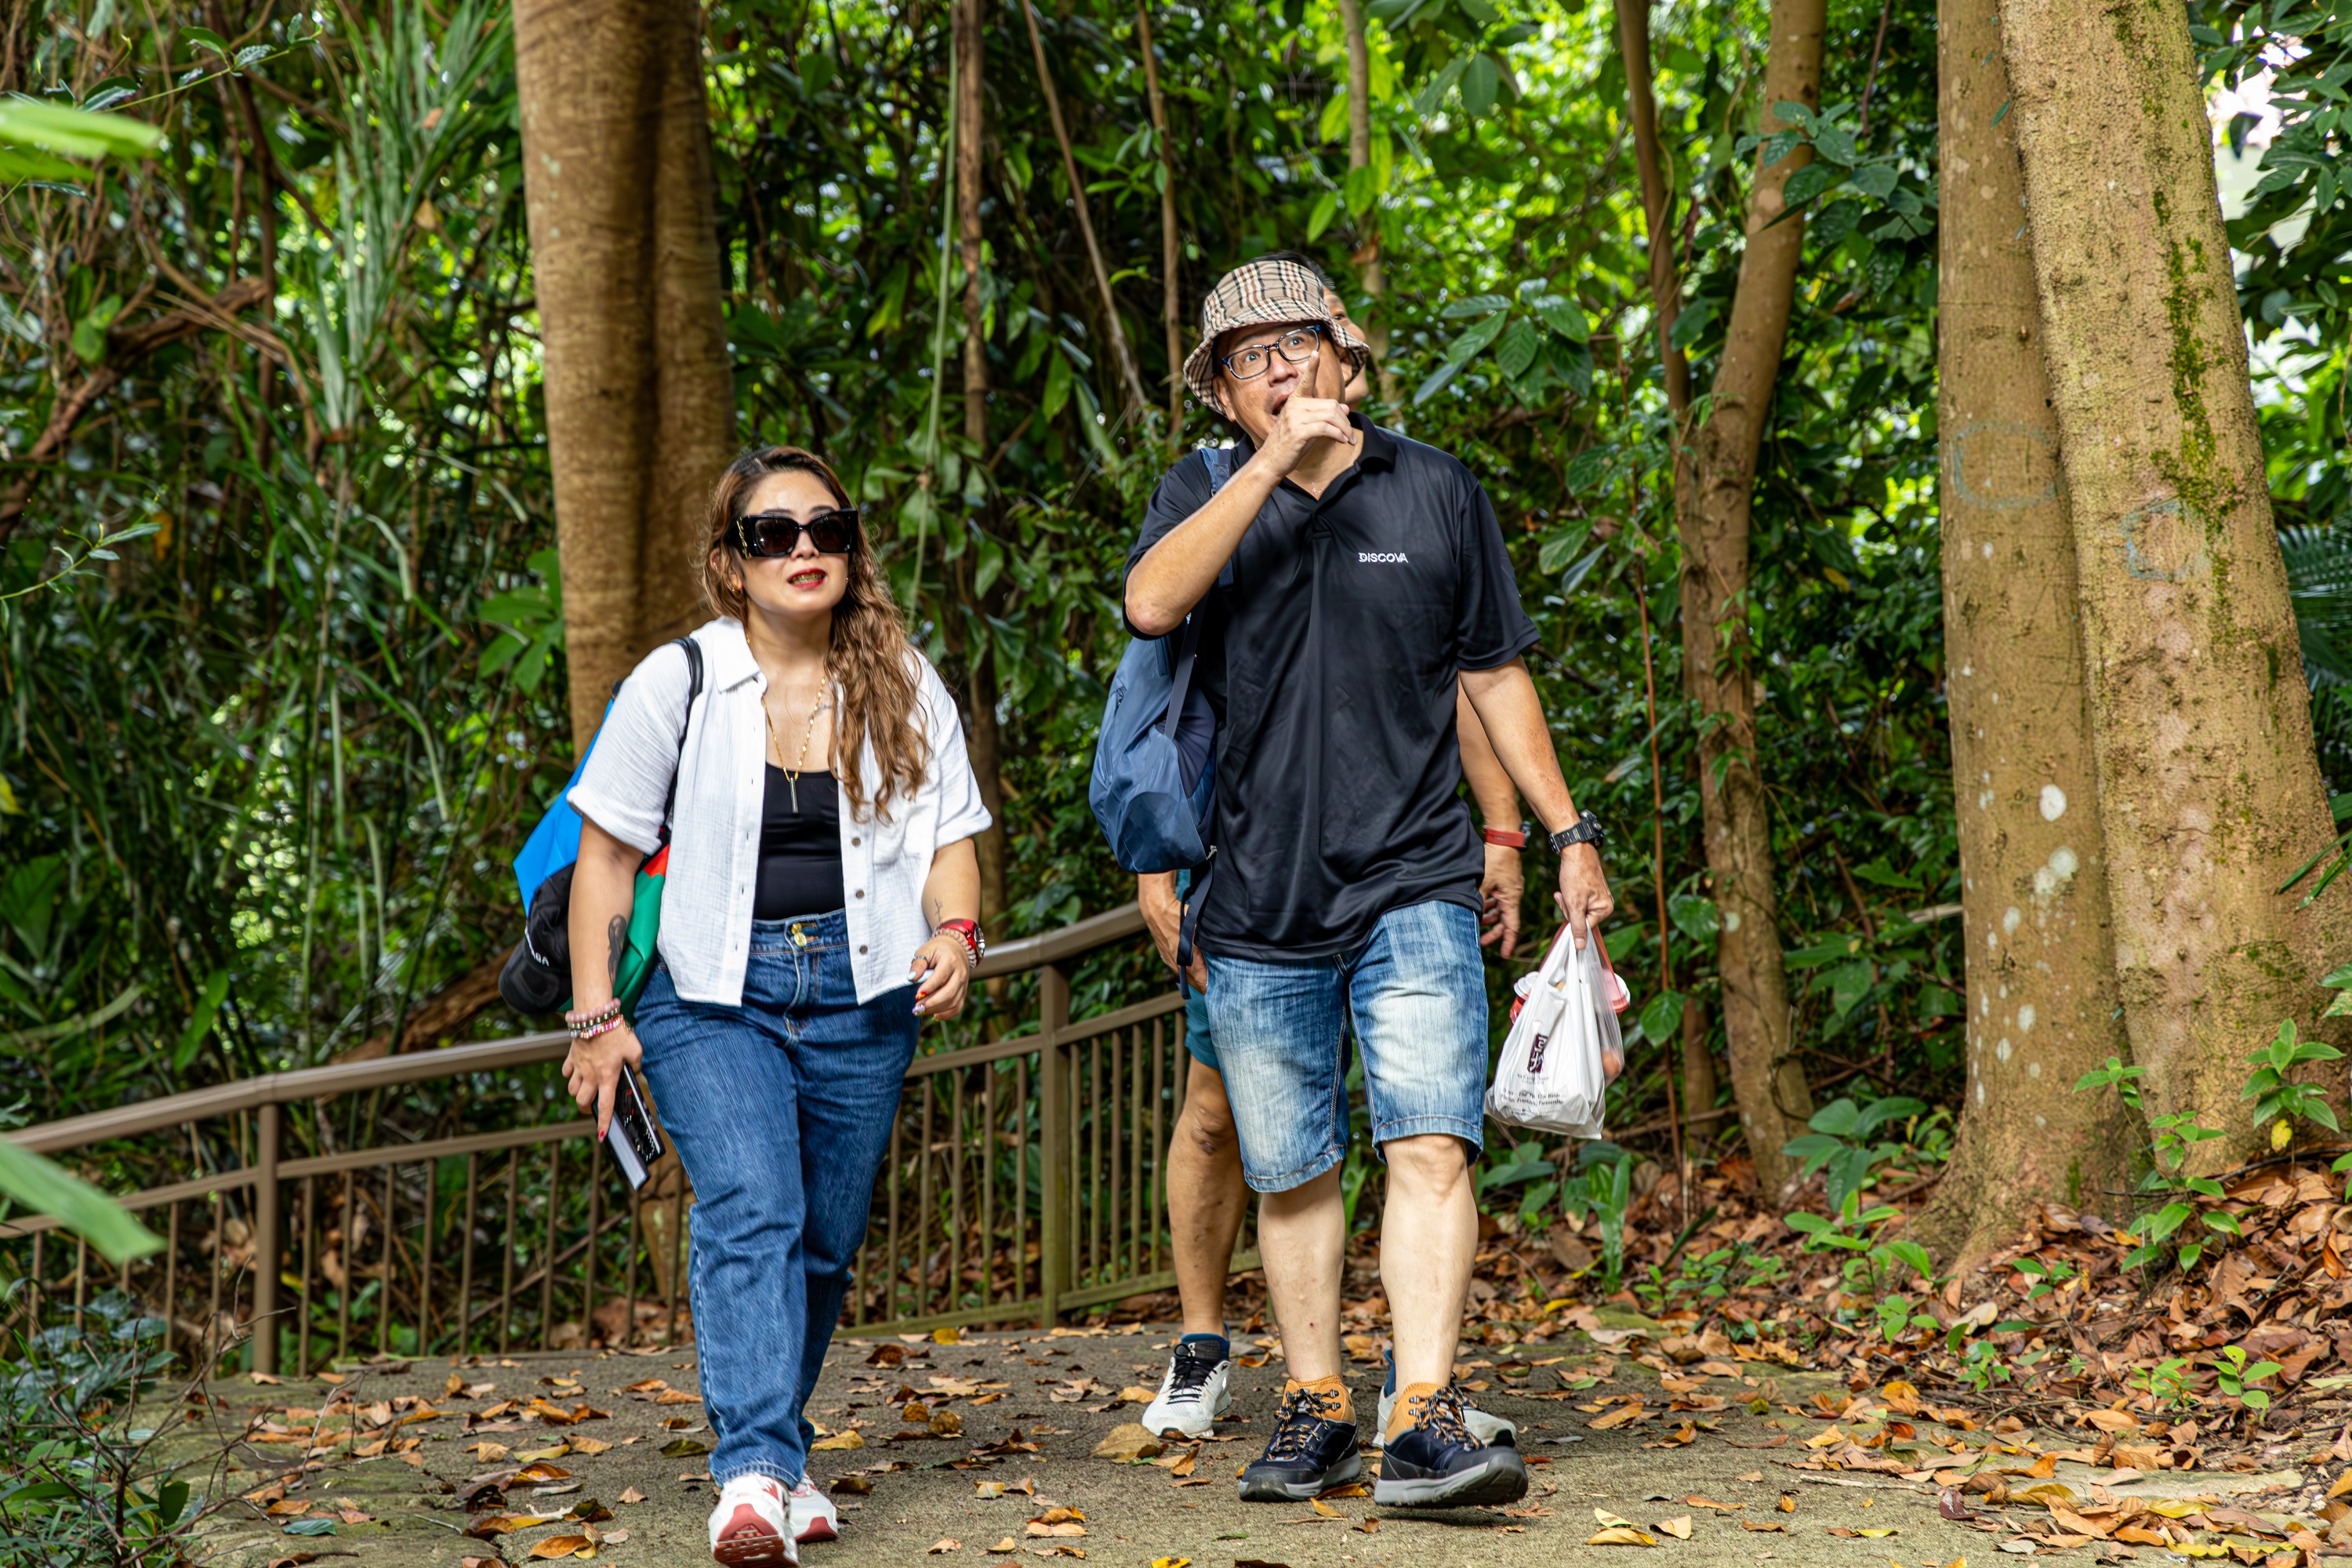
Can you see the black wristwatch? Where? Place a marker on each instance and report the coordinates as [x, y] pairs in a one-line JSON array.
[[1587, 830]]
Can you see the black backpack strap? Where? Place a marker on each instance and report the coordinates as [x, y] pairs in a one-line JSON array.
[[1196, 899], [1188, 653], [693, 689], [1219, 462]]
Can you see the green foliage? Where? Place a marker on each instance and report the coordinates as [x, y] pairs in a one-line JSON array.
[[1530, 1172], [2168, 1383], [1840, 1146], [2046, 1276], [529, 622], [44, 1188], [262, 768], [80, 1482], [1711, 1276], [1602, 1185], [37, 140], [2172, 1197], [2237, 1377], [2276, 1097], [2301, 280]]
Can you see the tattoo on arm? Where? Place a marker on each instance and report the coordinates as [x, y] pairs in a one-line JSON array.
[[617, 938]]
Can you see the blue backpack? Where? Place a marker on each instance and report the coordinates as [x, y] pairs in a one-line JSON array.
[[1155, 787]]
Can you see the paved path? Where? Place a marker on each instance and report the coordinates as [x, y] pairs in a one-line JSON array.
[[901, 1492]]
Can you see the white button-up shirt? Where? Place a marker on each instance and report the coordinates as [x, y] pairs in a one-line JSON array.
[[714, 849]]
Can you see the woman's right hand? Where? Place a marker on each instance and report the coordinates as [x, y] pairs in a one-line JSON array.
[[594, 1067]]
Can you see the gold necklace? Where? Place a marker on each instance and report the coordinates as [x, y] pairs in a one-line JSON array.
[[793, 773]]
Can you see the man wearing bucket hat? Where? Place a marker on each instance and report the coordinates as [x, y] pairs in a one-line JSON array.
[[1205, 1193], [1346, 575]]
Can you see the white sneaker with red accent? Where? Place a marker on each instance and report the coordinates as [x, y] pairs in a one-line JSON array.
[[814, 1516], [751, 1523]]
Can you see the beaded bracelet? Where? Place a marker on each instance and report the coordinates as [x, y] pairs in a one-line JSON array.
[[975, 945], [602, 1027], [578, 1021]]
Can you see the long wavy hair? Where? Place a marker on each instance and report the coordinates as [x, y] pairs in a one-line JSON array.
[[871, 660]]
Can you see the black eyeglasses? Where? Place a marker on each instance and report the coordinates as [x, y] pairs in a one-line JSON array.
[[1297, 345], [765, 534]]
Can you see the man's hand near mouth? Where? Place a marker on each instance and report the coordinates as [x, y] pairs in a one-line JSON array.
[[1299, 422]]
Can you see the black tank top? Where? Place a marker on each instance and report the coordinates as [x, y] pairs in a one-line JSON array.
[[799, 851]]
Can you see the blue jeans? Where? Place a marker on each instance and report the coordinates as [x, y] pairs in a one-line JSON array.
[[1415, 996], [780, 1111]]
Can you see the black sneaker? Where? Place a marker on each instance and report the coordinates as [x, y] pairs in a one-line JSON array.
[[1436, 1463], [1484, 1426], [1311, 1452]]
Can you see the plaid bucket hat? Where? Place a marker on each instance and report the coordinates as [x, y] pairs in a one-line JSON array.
[[1254, 294]]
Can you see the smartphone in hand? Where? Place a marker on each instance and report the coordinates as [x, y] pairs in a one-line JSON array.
[[631, 1137]]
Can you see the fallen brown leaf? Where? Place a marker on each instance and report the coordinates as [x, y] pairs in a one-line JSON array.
[[1127, 1442], [565, 1546]]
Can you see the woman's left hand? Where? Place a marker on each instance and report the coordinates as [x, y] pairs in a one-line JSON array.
[[944, 966]]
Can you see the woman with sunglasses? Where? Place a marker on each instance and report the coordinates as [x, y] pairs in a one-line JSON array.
[[821, 865]]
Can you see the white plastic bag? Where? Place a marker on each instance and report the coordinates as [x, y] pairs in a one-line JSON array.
[[1552, 1076]]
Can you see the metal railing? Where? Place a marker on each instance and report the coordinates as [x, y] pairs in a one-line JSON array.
[[1025, 1179]]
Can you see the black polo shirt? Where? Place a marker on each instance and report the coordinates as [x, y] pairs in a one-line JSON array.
[[1331, 653]]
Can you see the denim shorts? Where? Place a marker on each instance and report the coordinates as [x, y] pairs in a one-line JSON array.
[[1414, 996]]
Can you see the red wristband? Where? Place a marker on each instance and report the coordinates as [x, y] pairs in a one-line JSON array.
[[1507, 839], [975, 944]]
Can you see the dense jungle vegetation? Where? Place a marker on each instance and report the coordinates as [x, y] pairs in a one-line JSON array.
[[286, 648]]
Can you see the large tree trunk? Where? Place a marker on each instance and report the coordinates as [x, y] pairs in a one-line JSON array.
[[624, 255], [2210, 790], [1359, 157], [1712, 508], [2041, 994]]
